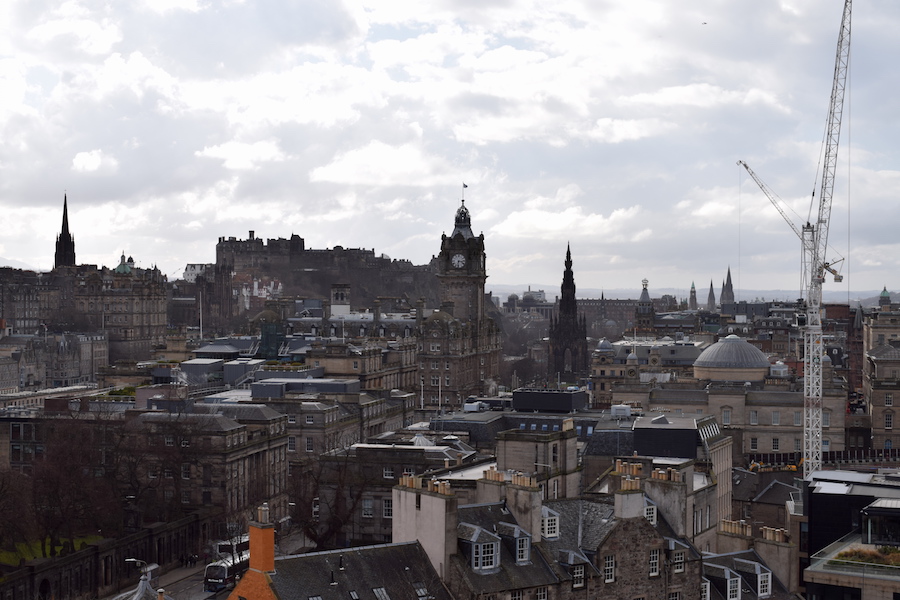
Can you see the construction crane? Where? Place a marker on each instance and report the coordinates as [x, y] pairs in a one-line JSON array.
[[814, 241], [777, 202]]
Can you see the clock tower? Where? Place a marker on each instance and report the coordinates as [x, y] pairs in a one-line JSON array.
[[461, 270], [459, 343]]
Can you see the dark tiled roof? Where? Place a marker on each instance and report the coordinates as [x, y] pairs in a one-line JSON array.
[[241, 412], [776, 493], [510, 576], [741, 563], [605, 442], [397, 568]]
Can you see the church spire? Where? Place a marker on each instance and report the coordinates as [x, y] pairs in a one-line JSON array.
[[65, 245]]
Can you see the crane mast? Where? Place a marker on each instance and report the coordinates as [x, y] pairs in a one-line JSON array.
[[814, 265], [814, 242]]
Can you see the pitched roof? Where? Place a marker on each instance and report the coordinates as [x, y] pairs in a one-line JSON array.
[[384, 572]]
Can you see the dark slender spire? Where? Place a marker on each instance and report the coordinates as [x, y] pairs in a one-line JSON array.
[[65, 245]]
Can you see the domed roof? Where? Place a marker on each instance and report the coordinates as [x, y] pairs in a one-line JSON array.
[[604, 344], [730, 353]]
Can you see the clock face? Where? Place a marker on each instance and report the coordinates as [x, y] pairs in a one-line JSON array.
[[458, 261]]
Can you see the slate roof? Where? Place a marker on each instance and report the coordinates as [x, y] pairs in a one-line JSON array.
[[509, 576], [204, 422], [583, 524], [384, 572], [241, 412], [776, 493], [743, 563], [607, 442]]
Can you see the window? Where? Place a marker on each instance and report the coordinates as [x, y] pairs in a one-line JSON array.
[[185, 497], [734, 588], [888, 444], [550, 527], [704, 590], [673, 596], [484, 556], [309, 419], [435, 347], [578, 576], [654, 562], [754, 444], [609, 568], [765, 585], [435, 365], [387, 508], [186, 443], [826, 419], [540, 593], [185, 471], [516, 595], [522, 550], [435, 380], [798, 418], [678, 560], [754, 417], [798, 445], [170, 440], [380, 593], [409, 471], [367, 508], [650, 514], [292, 443], [776, 417], [167, 473], [889, 399], [726, 416], [310, 444], [888, 421], [776, 444], [292, 418], [388, 472]]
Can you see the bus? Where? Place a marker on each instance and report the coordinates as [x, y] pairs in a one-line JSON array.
[[222, 573]]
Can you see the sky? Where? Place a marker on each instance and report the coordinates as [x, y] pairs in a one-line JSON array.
[[611, 126]]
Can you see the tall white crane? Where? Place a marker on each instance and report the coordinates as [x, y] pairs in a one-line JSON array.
[[814, 237]]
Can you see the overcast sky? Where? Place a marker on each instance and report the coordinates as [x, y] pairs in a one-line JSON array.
[[611, 125]]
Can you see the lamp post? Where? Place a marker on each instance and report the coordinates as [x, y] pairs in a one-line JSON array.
[[143, 566]]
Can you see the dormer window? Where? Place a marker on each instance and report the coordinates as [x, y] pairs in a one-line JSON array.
[[550, 527], [549, 523], [523, 550], [577, 576], [650, 514], [485, 555]]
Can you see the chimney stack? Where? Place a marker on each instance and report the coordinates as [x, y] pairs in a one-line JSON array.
[[262, 541]]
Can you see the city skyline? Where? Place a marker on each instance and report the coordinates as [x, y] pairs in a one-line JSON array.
[[613, 128]]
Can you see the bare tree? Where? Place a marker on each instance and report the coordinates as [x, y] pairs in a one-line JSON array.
[[327, 495]]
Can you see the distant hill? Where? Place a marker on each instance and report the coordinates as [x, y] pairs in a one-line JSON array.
[[15, 264]]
